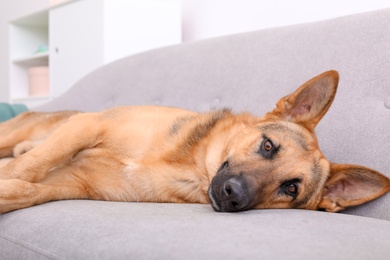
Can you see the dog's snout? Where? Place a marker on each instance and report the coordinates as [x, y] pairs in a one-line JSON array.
[[229, 192], [235, 194]]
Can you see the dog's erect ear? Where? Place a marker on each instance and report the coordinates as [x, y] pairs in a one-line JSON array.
[[352, 185], [309, 103]]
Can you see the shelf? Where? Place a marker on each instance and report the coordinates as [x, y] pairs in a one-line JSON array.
[[37, 59], [39, 19]]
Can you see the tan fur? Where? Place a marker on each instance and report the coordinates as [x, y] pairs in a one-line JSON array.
[[160, 154]]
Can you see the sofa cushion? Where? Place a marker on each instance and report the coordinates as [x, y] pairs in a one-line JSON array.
[[8, 111], [112, 230]]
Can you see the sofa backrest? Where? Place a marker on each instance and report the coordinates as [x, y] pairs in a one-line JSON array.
[[251, 71]]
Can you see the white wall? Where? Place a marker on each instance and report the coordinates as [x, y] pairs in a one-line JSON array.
[[210, 18], [150, 27], [10, 9]]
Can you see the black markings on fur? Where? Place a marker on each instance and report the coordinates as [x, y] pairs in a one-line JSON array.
[[202, 129], [316, 175], [177, 125]]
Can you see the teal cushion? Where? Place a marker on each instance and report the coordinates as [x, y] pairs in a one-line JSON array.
[[8, 111]]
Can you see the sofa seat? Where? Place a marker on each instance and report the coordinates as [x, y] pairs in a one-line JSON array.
[[115, 230]]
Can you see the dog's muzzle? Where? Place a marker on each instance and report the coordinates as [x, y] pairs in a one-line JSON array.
[[229, 194]]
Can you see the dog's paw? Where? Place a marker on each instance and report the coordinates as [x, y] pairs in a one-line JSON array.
[[22, 148], [16, 194]]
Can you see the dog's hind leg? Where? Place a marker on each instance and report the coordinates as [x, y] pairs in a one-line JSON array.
[[28, 128], [13, 132], [17, 194], [59, 148]]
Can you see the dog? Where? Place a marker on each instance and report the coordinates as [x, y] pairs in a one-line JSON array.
[[236, 162]]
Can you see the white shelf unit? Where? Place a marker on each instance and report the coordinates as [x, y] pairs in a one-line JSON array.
[[83, 35], [27, 34]]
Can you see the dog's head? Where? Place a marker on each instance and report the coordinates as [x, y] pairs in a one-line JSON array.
[[276, 161]]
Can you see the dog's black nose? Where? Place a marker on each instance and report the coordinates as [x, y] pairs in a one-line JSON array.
[[228, 193], [235, 194]]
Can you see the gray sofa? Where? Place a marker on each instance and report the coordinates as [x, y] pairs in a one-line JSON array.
[[250, 72]]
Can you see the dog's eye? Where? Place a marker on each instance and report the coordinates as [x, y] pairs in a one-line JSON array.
[[268, 145], [267, 148], [291, 188]]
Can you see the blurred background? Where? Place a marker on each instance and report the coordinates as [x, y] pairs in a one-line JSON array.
[[48, 45]]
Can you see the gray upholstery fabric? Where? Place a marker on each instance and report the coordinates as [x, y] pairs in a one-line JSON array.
[[249, 71], [110, 230]]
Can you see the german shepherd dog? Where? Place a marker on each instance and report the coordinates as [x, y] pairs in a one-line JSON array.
[[235, 162]]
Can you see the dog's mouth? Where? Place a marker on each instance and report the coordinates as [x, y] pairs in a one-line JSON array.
[[213, 200]]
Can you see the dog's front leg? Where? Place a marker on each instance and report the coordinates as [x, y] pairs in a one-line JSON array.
[[79, 132]]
